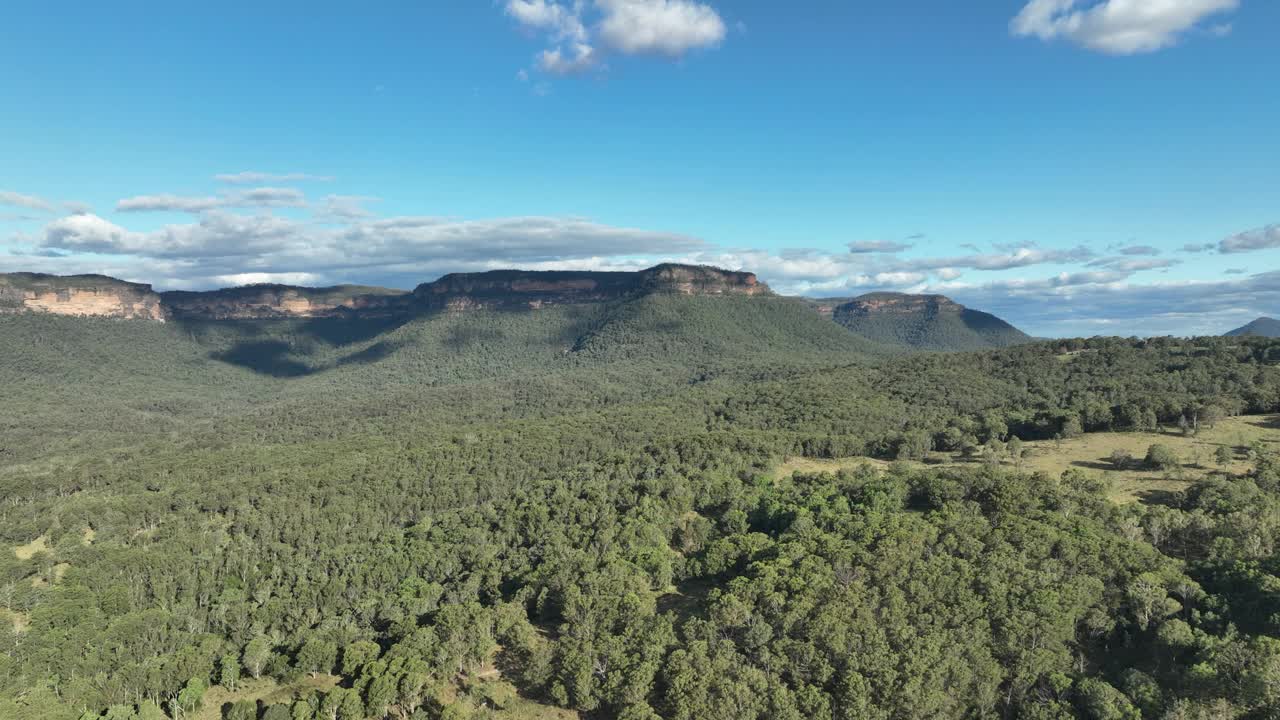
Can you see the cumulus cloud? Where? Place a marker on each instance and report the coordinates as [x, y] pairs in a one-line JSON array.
[[1118, 27], [1263, 238], [579, 32], [400, 250], [260, 178], [30, 202], [564, 22], [668, 27], [1198, 247], [88, 233], [1175, 308], [878, 246]]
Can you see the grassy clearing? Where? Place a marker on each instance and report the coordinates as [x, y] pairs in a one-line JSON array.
[[268, 691], [19, 620], [1091, 453], [28, 551]]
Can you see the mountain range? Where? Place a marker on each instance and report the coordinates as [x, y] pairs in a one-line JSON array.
[[889, 320]]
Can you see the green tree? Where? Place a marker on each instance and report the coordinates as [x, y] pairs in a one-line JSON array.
[[149, 710], [243, 710], [256, 655], [1161, 457], [229, 672], [358, 654], [1223, 456], [191, 695], [317, 655], [279, 711], [1120, 459]]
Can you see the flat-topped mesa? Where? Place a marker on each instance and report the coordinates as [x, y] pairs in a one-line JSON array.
[[101, 296], [259, 302], [534, 289], [79, 295], [886, 303]]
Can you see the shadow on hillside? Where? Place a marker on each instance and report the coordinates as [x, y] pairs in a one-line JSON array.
[[1266, 422], [1093, 465], [373, 353], [267, 357], [270, 347], [1167, 498]]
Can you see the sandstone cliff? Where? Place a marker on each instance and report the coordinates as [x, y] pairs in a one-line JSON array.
[[500, 289], [254, 302], [81, 295], [511, 289]]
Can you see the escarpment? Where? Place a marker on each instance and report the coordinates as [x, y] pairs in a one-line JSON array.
[[525, 289], [500, 289], [79, 295], [256, 302]]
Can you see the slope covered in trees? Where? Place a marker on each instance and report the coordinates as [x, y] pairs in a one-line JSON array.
[[583, 498], [1263, 326], [922, 322]]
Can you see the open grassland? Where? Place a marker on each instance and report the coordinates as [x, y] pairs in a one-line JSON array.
[[266, 691], [1092, 453]]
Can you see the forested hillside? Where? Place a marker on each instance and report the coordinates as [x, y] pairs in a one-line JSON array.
[[479, 514], [922, 322], [1263, 326]]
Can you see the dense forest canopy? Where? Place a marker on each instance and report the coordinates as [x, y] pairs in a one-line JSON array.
[[582, 501]]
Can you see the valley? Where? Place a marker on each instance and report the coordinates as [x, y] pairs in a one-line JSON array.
[[681, 499]]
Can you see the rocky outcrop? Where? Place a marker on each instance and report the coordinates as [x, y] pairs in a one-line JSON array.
[[513, 289], [499, 289], [258, 302], [897, 304], [79, 295]]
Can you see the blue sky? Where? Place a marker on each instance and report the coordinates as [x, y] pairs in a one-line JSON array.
[[1050, 161]]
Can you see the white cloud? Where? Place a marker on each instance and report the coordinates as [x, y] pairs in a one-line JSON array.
[[259, 178], [557, 62], [1016, 258], [342, 208], [1118, 27], [1134, 264], [400, 251], [31, 202], [576, 31], [261, 278], [168, 203], [1139, 250], [564, 22], [878, 246], [265, 197], [89, 233], [667, 27], [1260, 239]]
